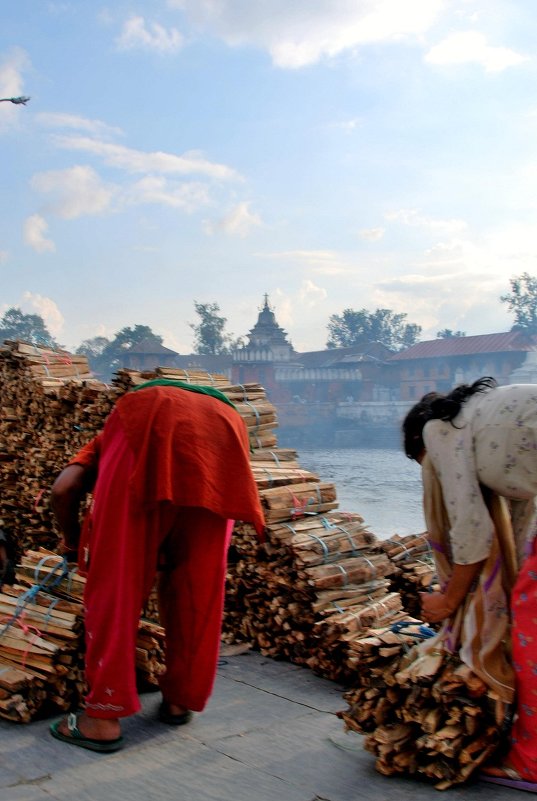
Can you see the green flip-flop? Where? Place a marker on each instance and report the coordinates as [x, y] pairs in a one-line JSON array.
[[75, 736]]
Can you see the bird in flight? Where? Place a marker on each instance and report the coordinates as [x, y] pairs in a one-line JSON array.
[[17, 100]]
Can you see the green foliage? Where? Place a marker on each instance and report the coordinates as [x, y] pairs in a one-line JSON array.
[[209, 335], [447, 333], [93, 348], [27, 327], [360, 327], [522, 301], [105, 356]]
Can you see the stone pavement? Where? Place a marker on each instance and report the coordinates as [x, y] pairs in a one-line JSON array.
[[269, 733]]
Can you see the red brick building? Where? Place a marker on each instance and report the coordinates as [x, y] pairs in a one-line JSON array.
[[440, 364]]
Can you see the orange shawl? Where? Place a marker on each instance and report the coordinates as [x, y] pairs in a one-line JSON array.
[[191, 449]]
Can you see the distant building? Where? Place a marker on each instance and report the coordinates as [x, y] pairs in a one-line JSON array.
[[267, 351], [307, 387], [147, 355], [325, 376], [216, 364], [440, 364]]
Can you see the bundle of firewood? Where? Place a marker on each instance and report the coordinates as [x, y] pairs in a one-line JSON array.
[[150, 653], [41, 641], [50, 406], [424, 712], [126, 378], [416, 569]]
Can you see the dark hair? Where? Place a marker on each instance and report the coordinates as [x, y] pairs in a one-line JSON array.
[[436, 406]]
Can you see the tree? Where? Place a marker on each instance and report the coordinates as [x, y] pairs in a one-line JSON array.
[[28, 327], [360, 327], [209, 336], [105, 356], [93, 348], [129, 337], [522, 301], [447, 333]]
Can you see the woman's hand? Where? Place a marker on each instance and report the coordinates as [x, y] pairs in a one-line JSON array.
[[70, 553], [435, 607]]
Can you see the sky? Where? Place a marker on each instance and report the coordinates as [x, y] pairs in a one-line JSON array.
[[333, 154]]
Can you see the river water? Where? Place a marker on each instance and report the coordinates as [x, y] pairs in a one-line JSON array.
[[382, 485]]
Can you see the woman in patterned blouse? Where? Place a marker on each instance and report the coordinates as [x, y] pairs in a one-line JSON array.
[[481, 438]]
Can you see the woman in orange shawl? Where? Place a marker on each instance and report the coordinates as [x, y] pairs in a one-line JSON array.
[[171, 473]]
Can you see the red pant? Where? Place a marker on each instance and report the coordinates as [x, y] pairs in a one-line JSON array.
[[523, 753], [125, 542]]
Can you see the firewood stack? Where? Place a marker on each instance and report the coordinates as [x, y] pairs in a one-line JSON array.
[[41, 663], [41, 641], [425, 713], [50, 406]]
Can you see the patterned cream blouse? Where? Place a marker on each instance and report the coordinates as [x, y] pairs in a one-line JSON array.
[[492, 441]]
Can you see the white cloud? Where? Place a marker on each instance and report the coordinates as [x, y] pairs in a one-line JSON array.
[[239, 222], [12, 68], [322, 262], [126, 158], [187, 196], [137, 33], [457, 284], [74, 192], [311, 294], [300, 33], [35, 229], [471, 47], [348, 125], [284, 305], [56, 119], [4, 256], [47, 309], [371, 234], [172, 341], [413, 217]]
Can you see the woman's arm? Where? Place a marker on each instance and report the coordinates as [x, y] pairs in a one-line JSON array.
[[68, 492], [437, 606], [70, 489]]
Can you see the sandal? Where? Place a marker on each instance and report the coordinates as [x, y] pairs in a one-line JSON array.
[[165, 716], [75, 736], [511, 778]]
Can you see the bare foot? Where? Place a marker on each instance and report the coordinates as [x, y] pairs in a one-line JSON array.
[[94, 728], [176, 710], [174, 714], [504, 771]]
